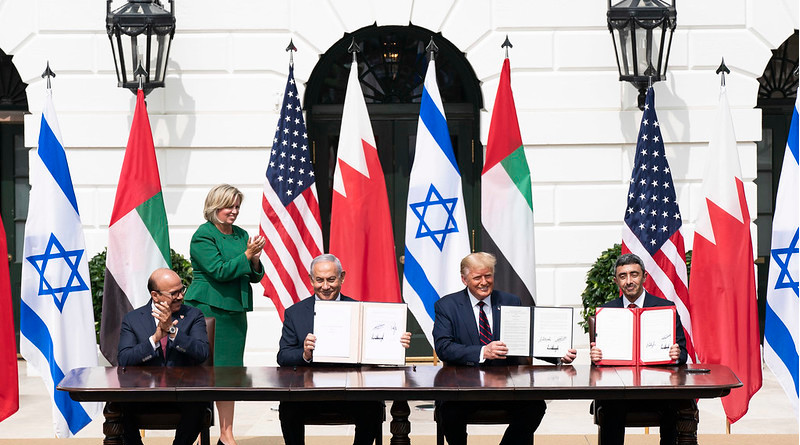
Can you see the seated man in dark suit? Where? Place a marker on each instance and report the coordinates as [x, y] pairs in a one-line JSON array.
[[164, 332], [297, 349], [465, 333], [629, 275]]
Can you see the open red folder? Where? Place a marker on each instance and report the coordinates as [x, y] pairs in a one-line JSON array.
[[635, 336]]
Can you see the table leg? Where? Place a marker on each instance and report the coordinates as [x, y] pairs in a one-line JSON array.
[[400, 427], [112, 427], [688, 417]]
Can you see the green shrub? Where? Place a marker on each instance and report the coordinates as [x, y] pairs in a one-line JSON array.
[[600, 286], [97, 271]]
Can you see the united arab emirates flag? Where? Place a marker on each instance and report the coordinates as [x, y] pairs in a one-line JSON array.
[[507, 199], [138, 238]]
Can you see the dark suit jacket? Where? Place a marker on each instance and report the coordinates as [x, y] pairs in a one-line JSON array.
[[298, 322], [190, 346], [455, 332], [653, 301]]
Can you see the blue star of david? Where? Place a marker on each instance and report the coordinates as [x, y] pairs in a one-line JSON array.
[[782, 258], [420, 209], [71, 258]]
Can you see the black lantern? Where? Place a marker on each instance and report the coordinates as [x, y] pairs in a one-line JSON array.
[[140, 32], [642, 33]]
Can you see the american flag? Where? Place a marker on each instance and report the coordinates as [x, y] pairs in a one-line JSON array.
[[290, 219], [653, 220]]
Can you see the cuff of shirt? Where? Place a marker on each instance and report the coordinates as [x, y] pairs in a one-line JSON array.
[[481, 359]]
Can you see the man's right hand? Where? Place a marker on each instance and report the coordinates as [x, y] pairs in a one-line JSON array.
[[495, 350], [595, 353], [163, 316], [308, 347]]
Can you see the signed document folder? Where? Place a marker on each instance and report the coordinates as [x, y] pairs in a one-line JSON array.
[[536, 331], [637, 336], [359, 332]]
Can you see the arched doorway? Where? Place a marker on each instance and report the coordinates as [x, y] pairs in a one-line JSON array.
[[14, 188], [392, 68], [777, 94]]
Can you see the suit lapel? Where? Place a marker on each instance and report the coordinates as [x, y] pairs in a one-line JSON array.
[[308, 317], [147, 323], [648, 300], [466, 313]]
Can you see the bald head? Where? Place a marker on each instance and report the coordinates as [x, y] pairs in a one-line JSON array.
[[165, 285]]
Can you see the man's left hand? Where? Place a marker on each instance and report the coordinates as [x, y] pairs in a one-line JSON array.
[[674, 352], [569, 356], [405, 339]]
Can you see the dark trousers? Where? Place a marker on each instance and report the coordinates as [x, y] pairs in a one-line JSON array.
[[367, 417], [525, 417], [613, 413], [188, 428]]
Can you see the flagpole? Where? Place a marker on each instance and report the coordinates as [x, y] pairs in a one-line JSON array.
[[48, 73], [354, 49], [291, 49], [724, 70], [507, 44], [140, 74], [432, 49]]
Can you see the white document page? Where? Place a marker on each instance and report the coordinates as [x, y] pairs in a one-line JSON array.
[[515, 329], [614, 333], [335, 325], [655, 333], [383, 325], [552, 331]]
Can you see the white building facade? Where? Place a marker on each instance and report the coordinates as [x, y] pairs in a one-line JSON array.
[[214, 121]]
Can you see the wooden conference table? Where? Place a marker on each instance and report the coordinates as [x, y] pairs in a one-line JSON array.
[[400, 384]]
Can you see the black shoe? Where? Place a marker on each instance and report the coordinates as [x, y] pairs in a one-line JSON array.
[[220, 442]]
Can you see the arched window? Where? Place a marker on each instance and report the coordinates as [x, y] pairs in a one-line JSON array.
[[392, 66], [777, 93]]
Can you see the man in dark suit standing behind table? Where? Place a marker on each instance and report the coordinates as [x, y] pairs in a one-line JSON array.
[[466, 331], [164, 332], [297, 349], [629, 275]]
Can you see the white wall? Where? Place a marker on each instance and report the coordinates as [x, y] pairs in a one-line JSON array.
[[213, 121]]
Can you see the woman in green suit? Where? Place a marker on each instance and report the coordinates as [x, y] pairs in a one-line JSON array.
[[225, 261]]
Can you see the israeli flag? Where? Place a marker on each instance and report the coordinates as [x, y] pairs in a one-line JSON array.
[[436, 223], [781, 332], [56, 317]]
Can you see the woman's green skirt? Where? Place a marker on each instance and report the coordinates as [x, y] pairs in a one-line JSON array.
[[230, 334]]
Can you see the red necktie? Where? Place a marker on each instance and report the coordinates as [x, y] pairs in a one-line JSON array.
[[485, 332], [164, 347], [631, 306]]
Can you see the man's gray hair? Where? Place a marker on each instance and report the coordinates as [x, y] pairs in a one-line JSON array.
[[627, 259], [325, 258]]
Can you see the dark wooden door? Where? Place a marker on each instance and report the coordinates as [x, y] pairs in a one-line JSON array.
[[14, 192]]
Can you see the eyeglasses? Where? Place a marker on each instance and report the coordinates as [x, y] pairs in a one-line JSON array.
[[175, 294]]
